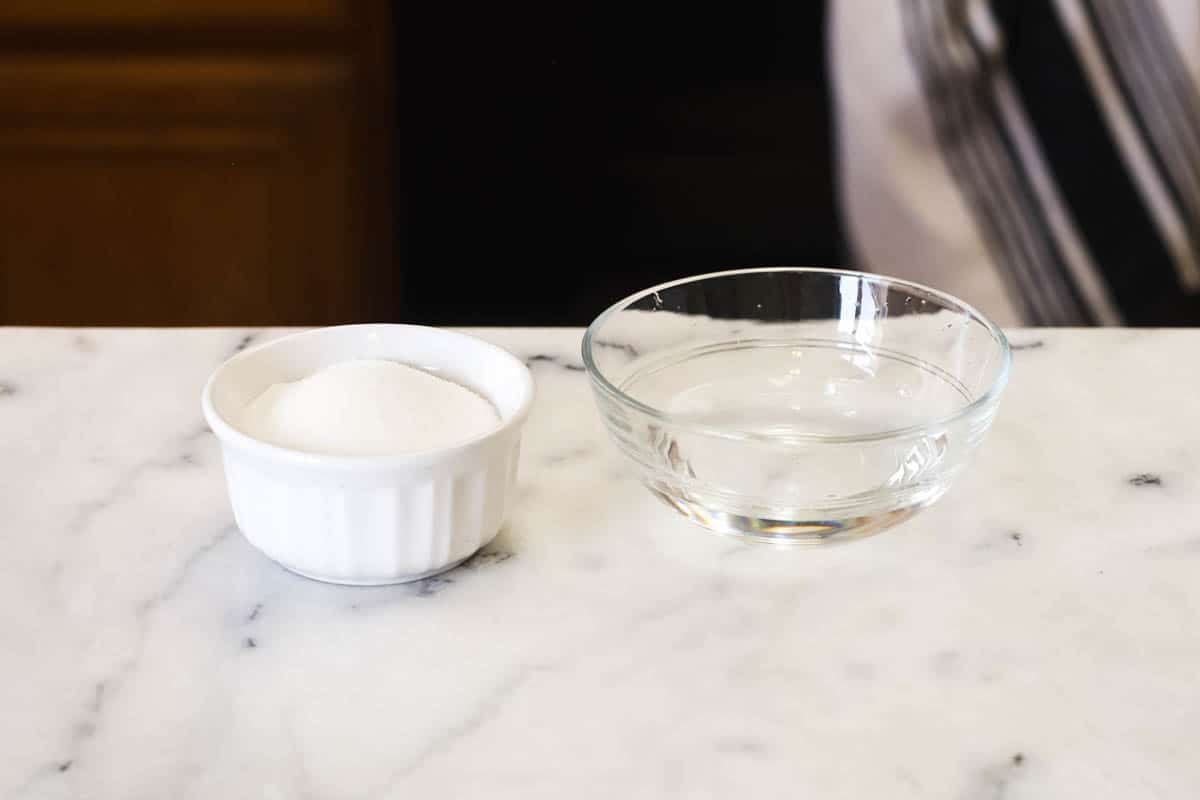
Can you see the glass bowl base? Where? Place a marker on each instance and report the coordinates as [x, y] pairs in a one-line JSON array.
[[790, 528]]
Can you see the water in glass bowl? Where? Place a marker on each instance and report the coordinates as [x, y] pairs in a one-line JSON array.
[[795, 439]]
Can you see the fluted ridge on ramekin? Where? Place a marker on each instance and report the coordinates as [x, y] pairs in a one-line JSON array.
[[373, 533]]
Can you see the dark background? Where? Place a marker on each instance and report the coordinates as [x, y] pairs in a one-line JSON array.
[[554, 157], [304, 162]]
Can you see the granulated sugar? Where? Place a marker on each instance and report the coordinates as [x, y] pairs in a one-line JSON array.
[[368, 407]]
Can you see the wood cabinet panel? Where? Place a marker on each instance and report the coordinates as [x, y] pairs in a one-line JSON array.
[[178, 190], [195, 161], [90, 13], [159, 87], [177, 251]]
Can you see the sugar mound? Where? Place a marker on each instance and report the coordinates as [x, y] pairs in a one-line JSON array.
[[368, 407]]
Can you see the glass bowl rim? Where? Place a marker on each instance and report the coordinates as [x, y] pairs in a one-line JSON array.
[[988, 397]]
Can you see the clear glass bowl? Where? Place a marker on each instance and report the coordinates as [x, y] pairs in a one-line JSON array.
[[796, 405]]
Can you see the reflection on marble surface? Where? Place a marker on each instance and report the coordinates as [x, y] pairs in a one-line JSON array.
[[1030, 636]]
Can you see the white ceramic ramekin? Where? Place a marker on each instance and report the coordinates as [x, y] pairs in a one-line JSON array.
[[370, 520]]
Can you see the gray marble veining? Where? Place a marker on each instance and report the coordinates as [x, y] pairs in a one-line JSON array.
[[1032, 635]]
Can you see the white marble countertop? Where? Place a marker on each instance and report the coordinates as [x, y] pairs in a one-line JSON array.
[[1035, 634]]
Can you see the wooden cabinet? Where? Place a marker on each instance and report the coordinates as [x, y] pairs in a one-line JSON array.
[[194, 162]]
